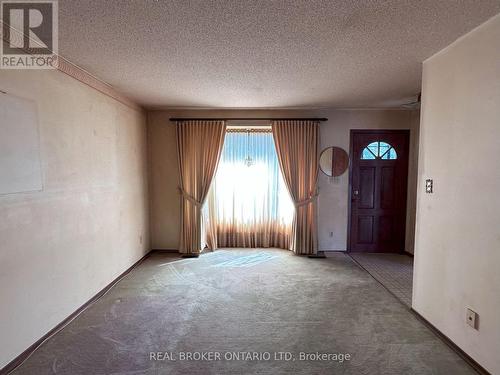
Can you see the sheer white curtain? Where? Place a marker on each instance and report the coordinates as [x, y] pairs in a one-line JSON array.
[[248, 204]]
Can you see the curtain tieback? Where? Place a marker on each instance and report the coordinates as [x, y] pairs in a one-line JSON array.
[[189, 197], [306, 201]]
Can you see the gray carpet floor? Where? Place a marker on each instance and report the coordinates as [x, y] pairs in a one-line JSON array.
[[252, 301], [394, 271]]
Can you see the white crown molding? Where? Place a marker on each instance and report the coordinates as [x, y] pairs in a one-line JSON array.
[[90, 80], [270, 109], [67, 67]]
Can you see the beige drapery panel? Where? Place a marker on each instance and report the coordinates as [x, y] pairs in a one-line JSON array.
[[297, 147], [199, 145]]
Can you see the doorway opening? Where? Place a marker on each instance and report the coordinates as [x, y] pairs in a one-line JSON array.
[[378, 184]]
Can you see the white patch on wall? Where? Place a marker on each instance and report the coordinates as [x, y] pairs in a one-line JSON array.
[[20, 169]]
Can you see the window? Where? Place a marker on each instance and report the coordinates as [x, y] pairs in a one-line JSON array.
[[249, 204], [379, 150]]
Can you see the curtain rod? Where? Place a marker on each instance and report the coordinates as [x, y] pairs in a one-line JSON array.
[[249, 119]]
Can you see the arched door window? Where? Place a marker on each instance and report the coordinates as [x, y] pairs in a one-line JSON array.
[[379, 150]]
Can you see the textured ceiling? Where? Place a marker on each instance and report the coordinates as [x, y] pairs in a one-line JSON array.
[[264, 53]]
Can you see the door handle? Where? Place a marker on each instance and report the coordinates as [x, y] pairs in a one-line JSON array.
[[355, 194]]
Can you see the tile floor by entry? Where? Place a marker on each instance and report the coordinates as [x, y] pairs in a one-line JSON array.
[[394, 271]]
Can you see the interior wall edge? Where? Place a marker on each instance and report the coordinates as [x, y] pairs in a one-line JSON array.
[[90, 80], [457, 241], [17, 361], [73, 70], [460, 39], [90, 221], [456, 348]]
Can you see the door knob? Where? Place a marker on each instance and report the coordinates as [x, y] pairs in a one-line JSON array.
[[355, 194]]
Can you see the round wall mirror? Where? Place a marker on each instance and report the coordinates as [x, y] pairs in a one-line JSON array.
[[333, 161]]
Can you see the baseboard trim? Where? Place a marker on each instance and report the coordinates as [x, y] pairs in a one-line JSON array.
[[16, 362], [169, 251], [320, 254], [467, 358], [190, 255]]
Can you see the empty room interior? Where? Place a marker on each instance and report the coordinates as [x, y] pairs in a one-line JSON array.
[[250, 187]]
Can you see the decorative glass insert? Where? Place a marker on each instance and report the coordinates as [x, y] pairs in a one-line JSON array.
[[379, 150]]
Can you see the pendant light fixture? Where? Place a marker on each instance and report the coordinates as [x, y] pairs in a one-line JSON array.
[[248, 159]]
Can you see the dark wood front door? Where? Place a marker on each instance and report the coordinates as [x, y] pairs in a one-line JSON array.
[[378, 184]]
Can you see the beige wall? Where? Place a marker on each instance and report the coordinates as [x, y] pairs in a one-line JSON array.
[[457, 249], [163, 183], [60, 246], [333, 198]]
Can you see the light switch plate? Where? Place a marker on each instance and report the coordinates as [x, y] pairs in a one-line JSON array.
[[429, 184], [472, 318]]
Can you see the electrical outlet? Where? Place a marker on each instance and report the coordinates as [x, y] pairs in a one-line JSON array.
[[472, 318]]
